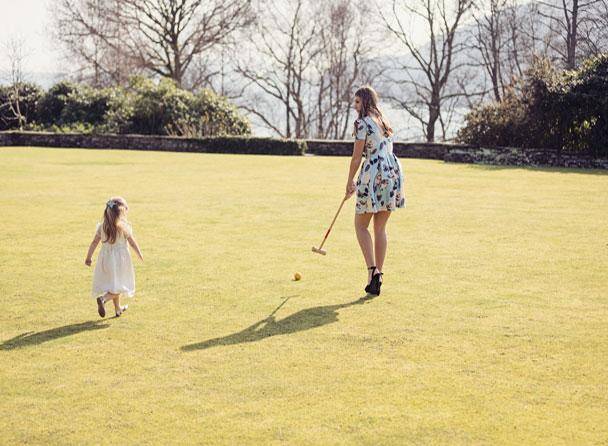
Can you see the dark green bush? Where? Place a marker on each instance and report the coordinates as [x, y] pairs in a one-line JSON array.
[[158, 107], [561, 111], [68, 105], [214, 115], [584, 103], [145, 107], [87, 105], [520, 119], [119, 111], [165, 109], [53, 103], [496, 123]]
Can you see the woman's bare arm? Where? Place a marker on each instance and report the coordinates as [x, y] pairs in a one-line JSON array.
[[355, 162]]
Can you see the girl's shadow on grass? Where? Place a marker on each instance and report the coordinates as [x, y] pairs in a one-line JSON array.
[[300, 321], [35, 338]]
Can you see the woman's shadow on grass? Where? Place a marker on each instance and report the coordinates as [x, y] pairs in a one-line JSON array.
[[269, 326], [34, 338]]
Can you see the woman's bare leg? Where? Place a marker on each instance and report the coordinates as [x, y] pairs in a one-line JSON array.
[[365, 239], [380, 237]]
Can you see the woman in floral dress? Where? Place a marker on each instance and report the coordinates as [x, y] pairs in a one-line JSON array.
[[379, 186]]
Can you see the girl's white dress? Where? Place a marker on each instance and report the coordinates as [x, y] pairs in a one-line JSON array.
[[114, 268]]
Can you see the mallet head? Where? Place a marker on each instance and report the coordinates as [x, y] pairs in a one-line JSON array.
[[319, 251]]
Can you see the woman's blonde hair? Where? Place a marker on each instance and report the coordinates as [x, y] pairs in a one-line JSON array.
[[369, 107], [112, 216]]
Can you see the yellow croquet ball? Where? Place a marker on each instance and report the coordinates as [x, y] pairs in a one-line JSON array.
[[297, 276]]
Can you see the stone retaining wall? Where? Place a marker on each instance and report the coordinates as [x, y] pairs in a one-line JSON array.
[[327, 147], [513, 156], [457, 153], [236, 144]]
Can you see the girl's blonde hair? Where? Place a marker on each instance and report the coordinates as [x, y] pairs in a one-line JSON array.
[[112, 216], [369, 107]]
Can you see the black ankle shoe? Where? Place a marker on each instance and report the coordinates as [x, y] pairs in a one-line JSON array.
[[369, 285], [375, 284]]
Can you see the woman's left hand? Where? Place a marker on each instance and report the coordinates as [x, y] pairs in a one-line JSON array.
[[350, 189]]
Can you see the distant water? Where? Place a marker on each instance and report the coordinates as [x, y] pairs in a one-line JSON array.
[[44, 80]]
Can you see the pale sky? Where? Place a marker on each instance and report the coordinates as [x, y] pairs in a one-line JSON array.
[[29, 20]]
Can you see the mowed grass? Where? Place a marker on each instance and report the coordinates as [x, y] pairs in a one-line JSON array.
[[491, 327]]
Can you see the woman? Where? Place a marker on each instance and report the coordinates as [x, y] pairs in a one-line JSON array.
[[379, 185]]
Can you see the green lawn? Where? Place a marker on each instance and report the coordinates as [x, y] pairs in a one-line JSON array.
[[491, 327]]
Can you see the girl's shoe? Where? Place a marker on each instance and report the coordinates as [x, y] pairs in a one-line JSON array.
[[376, 283], [368, 288], [122, 310], [101, 309]]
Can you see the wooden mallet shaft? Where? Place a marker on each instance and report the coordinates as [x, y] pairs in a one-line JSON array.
[[320, 250]]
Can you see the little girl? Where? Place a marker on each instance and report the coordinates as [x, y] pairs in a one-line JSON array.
[[114, 273]]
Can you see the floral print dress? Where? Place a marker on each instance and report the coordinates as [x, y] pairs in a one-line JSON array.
[[380, 181]]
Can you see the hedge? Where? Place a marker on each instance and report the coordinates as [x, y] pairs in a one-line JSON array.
[[219, 144], [144, 107]]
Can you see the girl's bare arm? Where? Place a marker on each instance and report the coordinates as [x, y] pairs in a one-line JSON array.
[[135, 247], [92, 247]]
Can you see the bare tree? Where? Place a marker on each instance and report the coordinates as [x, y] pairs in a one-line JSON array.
[[504, 39], [15, 56], [204, 70], [94, 40], [565, 17], [490, 41], [528, 38], [163, 37], [432, 64], [342, 63], [278, 69], [593, 30], [519, 44]]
